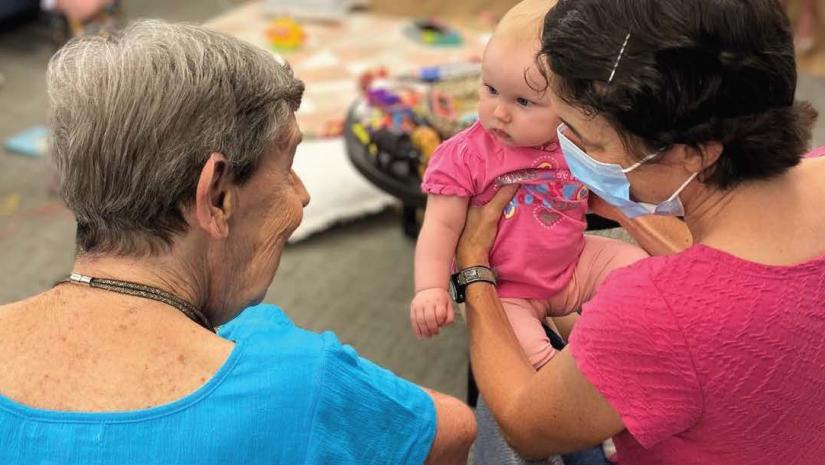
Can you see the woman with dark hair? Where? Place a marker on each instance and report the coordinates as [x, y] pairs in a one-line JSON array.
[[711, 355]]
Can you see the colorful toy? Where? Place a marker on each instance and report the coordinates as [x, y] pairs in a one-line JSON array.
[[425, 139], [285, 34], [452, 105], [33, 142], [395, 124], [393, 109], [367, 77], [397, 155], [433, 32], [442, 104], [332, 128], [458, 70], [363, 136]]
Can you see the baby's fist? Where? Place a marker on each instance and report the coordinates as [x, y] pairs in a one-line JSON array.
[[430, 310]]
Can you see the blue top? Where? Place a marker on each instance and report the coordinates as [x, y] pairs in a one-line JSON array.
[[284, 396]]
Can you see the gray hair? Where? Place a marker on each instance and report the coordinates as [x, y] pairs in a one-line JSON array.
[[135, 116]]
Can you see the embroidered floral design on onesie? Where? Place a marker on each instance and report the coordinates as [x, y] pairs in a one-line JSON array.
[[546, 190]]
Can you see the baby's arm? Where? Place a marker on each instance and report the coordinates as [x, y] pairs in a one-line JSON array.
[[431, 307]]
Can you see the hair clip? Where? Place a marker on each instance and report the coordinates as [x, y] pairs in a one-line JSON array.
[[619, 58]]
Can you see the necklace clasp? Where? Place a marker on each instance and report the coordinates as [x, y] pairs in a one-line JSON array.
[[81, 279]]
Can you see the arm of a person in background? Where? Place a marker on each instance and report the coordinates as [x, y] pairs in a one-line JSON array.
[[658, 235], [431, 307], [81, 10], [554, 410], [455, 431]]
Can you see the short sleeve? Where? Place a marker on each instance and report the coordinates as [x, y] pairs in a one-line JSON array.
[[451, 169], [628, 344], [252, 320], [367, 415], [815, 153]]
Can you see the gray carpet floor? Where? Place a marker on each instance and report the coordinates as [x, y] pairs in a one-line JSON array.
[[366, 266]]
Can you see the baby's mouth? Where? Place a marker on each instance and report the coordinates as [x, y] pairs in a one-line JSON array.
[[498, 133]]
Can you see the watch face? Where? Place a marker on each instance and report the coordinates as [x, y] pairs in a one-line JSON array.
[[453, 290], [456, 291]]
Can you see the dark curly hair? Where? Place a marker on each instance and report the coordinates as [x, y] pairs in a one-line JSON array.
[[692, 72]]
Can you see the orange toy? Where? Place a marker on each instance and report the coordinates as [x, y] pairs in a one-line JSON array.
[[285, 34], [425, 139]]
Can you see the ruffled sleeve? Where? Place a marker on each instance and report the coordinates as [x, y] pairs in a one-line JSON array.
[[453, 169]]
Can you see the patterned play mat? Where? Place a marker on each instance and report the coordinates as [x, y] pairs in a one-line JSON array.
[[332, 59]]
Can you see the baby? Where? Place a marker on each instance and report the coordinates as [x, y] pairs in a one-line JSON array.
[[545, 265]]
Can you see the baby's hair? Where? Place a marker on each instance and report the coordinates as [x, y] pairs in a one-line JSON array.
[[523, 22]]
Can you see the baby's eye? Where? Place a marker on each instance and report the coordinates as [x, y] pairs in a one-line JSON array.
[[491, 89], [523, 102]]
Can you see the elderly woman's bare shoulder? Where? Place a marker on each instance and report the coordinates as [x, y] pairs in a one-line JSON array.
[[122, 358], [15, 312]]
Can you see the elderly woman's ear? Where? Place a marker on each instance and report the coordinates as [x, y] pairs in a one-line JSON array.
[[213, 205]]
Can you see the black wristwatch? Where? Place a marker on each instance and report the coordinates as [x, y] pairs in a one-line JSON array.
[[459, 281]]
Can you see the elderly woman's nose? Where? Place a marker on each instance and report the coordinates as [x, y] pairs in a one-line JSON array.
[[303, 194]]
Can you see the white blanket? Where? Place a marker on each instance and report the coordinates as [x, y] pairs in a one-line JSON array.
[[338, 192]]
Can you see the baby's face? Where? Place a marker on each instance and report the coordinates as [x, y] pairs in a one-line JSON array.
[[514, 102]]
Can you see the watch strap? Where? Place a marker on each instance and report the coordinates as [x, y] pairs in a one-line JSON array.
[[473, 274]]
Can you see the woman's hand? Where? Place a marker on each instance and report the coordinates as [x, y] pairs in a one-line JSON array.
[[605, 210], [480, 229], [658, 235]]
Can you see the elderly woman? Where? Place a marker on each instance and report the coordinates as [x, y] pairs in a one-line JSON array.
[[174, 145], [712, 355]]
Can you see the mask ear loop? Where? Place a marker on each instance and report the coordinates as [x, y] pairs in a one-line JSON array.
[[640, 162], [682, 187]]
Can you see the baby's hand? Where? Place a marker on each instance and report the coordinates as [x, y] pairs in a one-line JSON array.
[[430, 310]]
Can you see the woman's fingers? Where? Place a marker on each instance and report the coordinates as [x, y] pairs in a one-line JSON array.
[[494, 207], [598, 206], [481, 227]]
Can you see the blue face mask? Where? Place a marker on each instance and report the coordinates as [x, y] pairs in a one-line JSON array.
[[609, 181]]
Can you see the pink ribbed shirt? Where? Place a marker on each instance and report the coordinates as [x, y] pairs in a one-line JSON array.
[[710, 359]]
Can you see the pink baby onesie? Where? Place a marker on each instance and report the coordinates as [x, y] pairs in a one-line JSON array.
[[540, 236]]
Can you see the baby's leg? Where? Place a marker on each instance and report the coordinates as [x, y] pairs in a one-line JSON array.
[[525, 318], [600, 257]]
